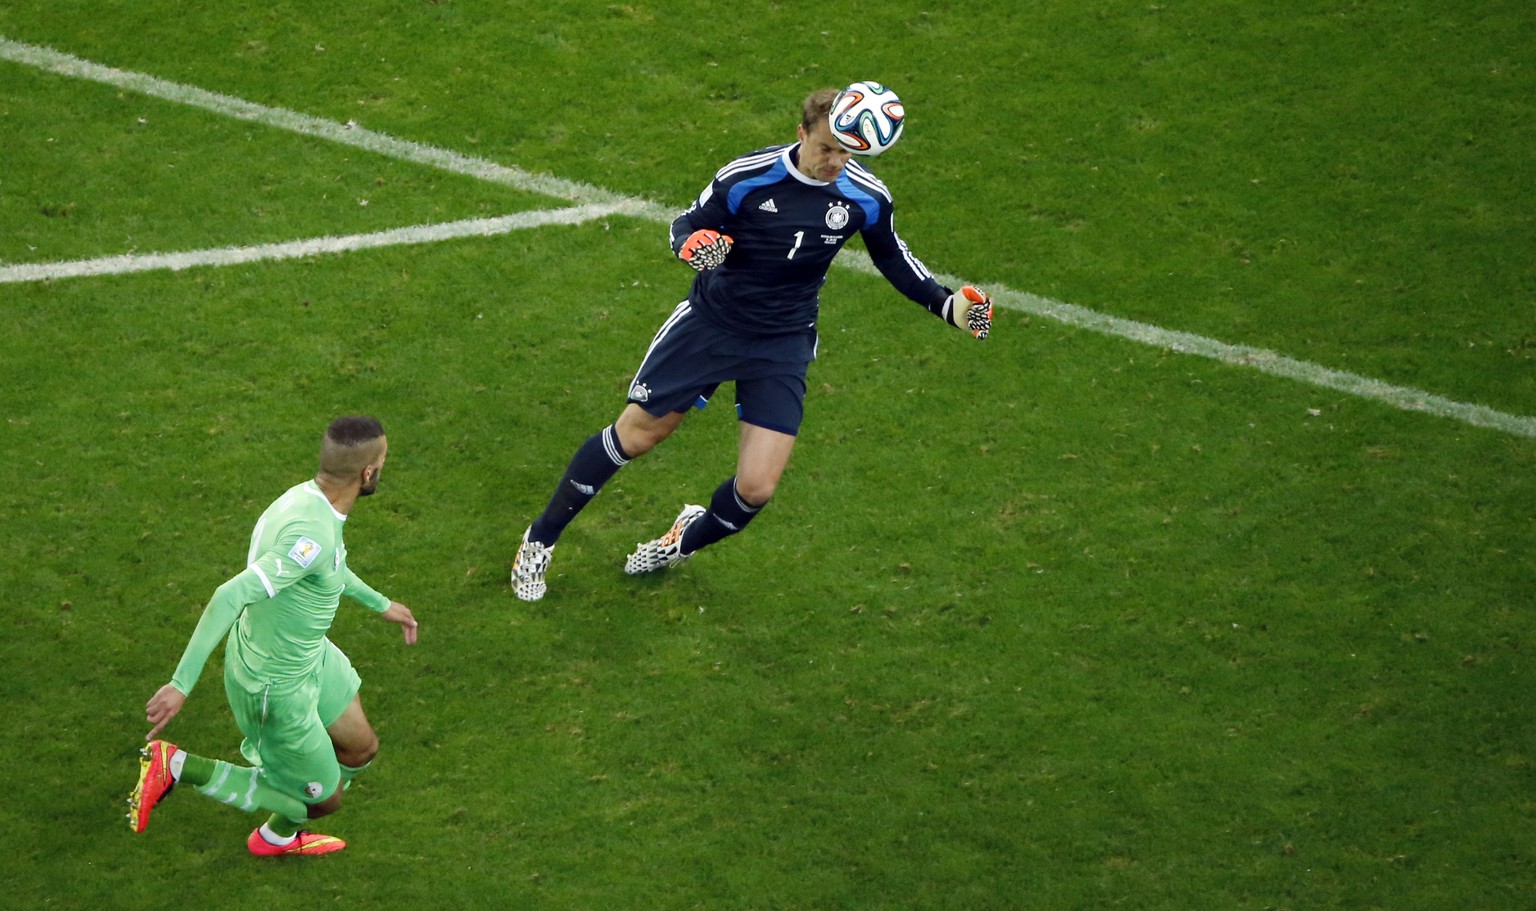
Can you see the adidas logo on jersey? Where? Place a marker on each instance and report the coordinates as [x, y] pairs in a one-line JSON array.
[[769, 207]]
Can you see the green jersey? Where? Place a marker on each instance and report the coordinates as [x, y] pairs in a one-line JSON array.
[[277, 611]]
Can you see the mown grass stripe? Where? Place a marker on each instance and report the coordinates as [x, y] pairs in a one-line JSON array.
[[1270, 362], [349, 133], [1262, 360]]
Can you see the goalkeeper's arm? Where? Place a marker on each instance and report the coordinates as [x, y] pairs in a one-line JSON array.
[[705, 249], [970, 309]]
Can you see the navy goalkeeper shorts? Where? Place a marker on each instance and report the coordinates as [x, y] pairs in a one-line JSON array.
[[690, 357]]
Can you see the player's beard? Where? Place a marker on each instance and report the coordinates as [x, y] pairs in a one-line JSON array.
[[367, 489]]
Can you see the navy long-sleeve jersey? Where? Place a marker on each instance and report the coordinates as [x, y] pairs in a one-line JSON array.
[[787, 228]]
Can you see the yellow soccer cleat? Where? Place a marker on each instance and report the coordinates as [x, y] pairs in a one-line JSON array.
[[155, 782]]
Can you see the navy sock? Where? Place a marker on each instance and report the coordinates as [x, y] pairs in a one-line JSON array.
[[598, 459], [728, 514]]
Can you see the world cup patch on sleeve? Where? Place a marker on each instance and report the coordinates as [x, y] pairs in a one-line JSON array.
[[304, 552]]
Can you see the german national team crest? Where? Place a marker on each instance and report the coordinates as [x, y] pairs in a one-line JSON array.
[[837, 216]]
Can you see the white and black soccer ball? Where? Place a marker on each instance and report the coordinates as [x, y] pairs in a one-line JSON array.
[[867, 118]]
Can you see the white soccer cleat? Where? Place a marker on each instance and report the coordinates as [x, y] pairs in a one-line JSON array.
[[529, 567], [666, 550]]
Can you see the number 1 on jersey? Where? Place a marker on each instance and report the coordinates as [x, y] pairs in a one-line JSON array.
[[799, 236]]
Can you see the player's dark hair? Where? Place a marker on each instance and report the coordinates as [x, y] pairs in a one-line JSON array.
[[816, 107], [351, 444], [354, 431]]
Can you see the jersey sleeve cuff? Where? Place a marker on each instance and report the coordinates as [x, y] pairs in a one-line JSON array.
[[265, 582]]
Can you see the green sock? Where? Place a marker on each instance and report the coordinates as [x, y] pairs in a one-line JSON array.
[[241, 787], [284, 825], [195, 770], [348, 773]]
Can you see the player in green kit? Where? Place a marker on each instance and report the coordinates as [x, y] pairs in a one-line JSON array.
[[293, 693]]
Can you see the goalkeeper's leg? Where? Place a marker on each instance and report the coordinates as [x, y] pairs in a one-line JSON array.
[[728, 514], [595, 462], [761, 461]]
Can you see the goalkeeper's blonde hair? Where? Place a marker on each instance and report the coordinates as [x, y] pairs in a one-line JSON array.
[[816, 107]]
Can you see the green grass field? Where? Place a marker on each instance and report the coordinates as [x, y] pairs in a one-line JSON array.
[[1059, 621]]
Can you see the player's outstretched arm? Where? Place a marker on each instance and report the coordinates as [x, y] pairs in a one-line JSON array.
[[218, 616], [970, 309], [399, 613]]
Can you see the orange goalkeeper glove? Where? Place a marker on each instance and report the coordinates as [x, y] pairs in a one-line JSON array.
[[705, 249], [970, 309]]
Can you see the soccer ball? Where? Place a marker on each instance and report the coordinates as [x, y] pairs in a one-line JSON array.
[[867, 118]]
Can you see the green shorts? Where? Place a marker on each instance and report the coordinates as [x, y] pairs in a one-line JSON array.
[[284, 726]]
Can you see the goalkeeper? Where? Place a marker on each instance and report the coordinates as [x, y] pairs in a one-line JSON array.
[[761, 237], [293, 693]]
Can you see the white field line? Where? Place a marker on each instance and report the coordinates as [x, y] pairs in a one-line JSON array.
[[228, 256], [1405, 398]]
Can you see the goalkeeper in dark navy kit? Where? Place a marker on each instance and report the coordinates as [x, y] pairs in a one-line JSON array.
[[761, 236]]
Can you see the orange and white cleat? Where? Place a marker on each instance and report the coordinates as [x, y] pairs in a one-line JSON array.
[[529, 567], [155, 781], [304, 843], [666, 550]]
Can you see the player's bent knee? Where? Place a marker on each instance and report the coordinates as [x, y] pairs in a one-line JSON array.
[[640, 431], [636, 444], [639, 441], [360, 755], [755, 494]]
